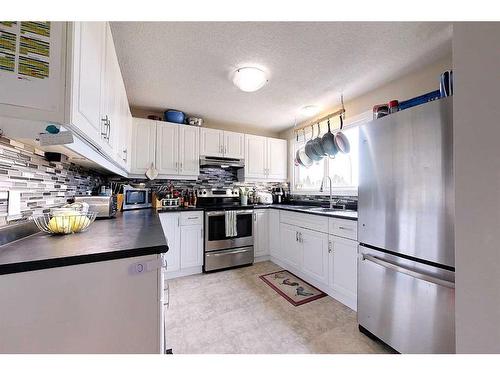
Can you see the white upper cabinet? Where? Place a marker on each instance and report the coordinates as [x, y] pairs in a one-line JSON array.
[[234, 145], [211, 142], [83, 91], [189, 154], [87, 71], [143, 145], [167, 148], [265, 158], [255, 156], [28, 96], [276, 159], [221, 143], [172, 148]]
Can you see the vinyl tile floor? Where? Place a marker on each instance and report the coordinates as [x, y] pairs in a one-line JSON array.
[[234, 311]]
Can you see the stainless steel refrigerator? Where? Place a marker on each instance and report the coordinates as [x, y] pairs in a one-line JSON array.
[[406, 274]]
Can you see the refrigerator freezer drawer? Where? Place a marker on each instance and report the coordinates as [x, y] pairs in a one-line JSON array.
[[408, 305]]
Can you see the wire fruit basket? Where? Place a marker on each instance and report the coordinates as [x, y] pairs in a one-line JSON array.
[[74, 222]]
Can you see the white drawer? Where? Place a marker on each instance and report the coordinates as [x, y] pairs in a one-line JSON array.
[[191, 218], [308, 221], [344, 228]]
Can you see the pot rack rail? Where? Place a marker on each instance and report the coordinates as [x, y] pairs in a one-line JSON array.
[[340, 112]]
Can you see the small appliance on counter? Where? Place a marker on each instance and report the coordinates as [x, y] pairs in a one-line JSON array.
[[136, 197], [103, 206], [278, 195], [264, 197]]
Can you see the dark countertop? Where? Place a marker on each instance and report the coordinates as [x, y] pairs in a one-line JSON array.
[[339, 214], [130, 234]]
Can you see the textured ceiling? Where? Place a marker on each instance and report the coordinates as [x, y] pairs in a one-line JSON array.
[[188, 65]]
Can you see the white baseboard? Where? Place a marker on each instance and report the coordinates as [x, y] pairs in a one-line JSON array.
[[349, 301], [261, 258], [183, 272]]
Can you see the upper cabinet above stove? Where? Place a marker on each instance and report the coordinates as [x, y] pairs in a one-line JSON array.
[[221, 143]]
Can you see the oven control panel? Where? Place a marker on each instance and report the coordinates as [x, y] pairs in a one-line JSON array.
[[218, 193]]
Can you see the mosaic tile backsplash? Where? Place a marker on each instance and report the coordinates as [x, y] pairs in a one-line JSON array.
[[42, 184], [210, 177]]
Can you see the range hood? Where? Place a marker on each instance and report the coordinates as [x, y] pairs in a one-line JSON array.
[[221, 162]]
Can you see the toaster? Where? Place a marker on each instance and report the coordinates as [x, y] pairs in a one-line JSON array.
[[264, 197], [104, 206]]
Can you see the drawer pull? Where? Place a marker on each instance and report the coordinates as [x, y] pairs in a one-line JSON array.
[[346, 228]]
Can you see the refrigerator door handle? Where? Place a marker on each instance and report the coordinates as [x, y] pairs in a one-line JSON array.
[[408, 272]]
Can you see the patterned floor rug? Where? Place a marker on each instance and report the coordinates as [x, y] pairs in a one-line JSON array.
[[292, 288]]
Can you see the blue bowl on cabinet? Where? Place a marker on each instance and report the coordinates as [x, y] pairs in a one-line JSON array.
[[175, 116]]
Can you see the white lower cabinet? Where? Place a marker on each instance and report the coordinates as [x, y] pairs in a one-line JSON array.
[[100, 307], [274, 233], [191, 246], [343, 262], [307, 247], [261, 233], [170, 224], [315, 253], [185, 242], [291, 249]]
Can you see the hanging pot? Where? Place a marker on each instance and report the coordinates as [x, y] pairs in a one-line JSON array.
[[328, 142], [317, 147], [301, 157], [309, 149], [341, 140]]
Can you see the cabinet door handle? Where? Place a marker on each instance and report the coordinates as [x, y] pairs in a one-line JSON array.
[[329, 246], [109, 130], [301, 240], [201, 230], [178, 221], [296, 236], [105, 124]]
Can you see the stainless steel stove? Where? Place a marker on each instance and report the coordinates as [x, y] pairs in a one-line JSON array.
[[228, 229]]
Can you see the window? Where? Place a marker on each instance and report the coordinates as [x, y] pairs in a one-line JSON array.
[[343, 169]]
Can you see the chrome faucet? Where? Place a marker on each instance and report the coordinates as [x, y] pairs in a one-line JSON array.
[[321, 190]]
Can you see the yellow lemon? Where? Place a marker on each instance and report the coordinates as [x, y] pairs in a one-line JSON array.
[[78, 223], [59, 224]]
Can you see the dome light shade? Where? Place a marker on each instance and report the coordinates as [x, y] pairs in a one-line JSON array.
[[249, 79], [309, 110]]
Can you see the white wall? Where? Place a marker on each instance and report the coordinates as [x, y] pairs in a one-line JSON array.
[[476, 114], [413, 84]]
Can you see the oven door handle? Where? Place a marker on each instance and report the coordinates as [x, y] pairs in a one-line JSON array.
[[229, 252], [222, 213]]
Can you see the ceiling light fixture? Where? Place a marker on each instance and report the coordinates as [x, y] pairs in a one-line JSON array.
[[249, 79], [309, 110]]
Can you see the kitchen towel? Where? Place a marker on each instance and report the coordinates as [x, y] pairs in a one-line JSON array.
[[230, 221]]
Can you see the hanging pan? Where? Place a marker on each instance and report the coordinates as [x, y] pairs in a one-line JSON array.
[[302, 157], [341, 140], [310, 147], [328, 143]]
